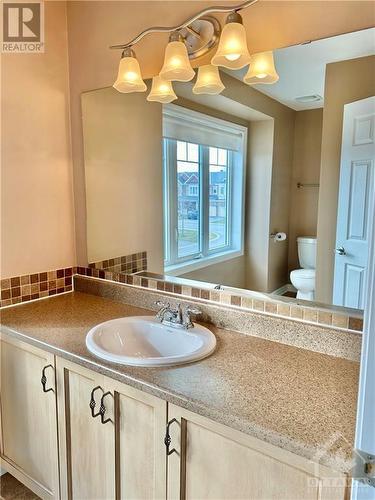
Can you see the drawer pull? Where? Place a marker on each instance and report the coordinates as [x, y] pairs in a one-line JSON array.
[[168, 439], [43, 380], [93, 402], [103, 409]]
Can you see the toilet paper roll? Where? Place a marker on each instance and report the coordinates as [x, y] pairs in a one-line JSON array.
[[280, 237]]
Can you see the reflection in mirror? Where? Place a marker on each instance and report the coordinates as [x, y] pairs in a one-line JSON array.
[[264, 188]]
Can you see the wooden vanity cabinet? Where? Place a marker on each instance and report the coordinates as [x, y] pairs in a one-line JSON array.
[[118, 453], [112, 437], [214, 462], [28, 417]]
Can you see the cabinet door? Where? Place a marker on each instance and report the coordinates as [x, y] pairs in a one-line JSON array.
[[29, 425], [140, 453], [214, 462], [87, 455]]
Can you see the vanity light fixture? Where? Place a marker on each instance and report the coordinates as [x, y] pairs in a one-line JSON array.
[[161, 91], [176, 66], [232, 52], [262, 69], [129, 78], [208, 81], [194, 38]]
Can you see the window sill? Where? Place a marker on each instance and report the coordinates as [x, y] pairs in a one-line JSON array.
[[193, 265]]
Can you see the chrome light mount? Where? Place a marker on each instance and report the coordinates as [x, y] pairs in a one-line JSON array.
[[201, 36]]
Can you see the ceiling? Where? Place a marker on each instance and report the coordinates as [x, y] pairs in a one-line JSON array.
[[220, 103], [302, 67]]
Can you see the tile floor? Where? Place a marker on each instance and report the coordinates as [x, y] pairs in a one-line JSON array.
[[11, 489]]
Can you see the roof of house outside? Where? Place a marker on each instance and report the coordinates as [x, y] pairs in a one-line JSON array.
[[192, 178]]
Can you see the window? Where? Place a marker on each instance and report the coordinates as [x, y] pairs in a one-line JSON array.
[[193, 189], [203, 189]]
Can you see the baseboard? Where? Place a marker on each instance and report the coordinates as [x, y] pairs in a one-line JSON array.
[[25, 479], [285, 288]]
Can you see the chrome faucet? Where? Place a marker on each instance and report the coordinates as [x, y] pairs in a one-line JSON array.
[[176, 317]]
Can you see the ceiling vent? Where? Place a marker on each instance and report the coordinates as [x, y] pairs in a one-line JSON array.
[[309, 98]]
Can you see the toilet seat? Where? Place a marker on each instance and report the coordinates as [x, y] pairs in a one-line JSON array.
[[303, 273]]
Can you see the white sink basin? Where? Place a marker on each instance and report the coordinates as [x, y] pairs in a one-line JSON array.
[[143, 341]]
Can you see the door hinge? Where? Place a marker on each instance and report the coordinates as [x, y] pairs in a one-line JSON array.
[[364, 467]]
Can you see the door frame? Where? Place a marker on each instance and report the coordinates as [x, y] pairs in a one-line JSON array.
[[365, 433]]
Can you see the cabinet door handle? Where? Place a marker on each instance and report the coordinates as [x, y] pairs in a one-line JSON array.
[[43, 380], [103, 409], [93, 402], [168, 439]]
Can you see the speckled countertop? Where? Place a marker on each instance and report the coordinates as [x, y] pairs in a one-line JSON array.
[[293, 398]]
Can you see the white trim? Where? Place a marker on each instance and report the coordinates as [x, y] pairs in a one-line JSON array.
[[178, 120], [365, 432], [193, 265]]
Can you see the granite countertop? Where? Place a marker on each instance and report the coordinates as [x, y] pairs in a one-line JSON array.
[[299, 400]]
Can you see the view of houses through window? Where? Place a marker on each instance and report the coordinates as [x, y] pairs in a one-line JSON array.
[[203, 189], [189, 190], [218, 200], [202, 175]]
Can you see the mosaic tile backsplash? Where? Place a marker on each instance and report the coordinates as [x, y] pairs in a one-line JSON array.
[[323, 317], [132, 263], [39, 285], [35, 286]]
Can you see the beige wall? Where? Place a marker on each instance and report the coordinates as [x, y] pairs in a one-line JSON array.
[[36, 173], [258, 203], [282, 159], [346, 81], [123, 165], [306, 169], [37, 216], [93, 26], [228, 273]]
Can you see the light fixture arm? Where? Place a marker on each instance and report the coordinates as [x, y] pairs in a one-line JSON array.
[[185, 24]]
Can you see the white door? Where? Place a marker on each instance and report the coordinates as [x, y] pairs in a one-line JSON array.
[[365, 431], [355, 201]]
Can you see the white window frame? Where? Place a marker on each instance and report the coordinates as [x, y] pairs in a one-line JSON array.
[[235, 204]]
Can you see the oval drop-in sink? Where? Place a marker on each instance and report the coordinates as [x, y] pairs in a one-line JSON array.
[[144, 341]]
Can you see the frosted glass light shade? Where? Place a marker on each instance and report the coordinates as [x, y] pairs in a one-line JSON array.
[[161, 91], [129, 78], [208, 81], [176, 65], [232, 52], [262, 69]]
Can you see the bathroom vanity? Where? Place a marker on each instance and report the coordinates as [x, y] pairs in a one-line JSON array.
[[256, 417]]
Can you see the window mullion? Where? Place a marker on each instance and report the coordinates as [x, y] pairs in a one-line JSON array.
[[230, 196], [205, 198], [172, 199]]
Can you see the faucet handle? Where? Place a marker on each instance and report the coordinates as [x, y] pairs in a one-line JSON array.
[[163, 307], [187, 316], [193, 310]]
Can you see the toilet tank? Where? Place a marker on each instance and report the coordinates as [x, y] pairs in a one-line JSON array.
[[307, 251]]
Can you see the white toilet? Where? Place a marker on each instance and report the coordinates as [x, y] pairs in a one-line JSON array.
[[304, 279]]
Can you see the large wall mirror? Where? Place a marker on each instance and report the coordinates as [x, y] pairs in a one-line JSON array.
[[263, 188]]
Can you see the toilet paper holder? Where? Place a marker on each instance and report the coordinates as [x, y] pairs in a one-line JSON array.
[[278, 236]]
